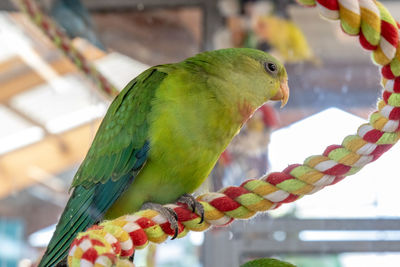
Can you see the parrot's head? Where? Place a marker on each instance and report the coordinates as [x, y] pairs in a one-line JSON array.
[[253, 76], [271, 80]]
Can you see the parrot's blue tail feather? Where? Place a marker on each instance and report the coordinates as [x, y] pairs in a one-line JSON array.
[[85, 207]]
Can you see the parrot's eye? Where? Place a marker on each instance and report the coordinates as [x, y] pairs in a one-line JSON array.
[[271, 67]]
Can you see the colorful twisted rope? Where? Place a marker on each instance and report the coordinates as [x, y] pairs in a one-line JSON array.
[[103, 245], [60, 40]]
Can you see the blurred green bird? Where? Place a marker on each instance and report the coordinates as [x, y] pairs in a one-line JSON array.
[[266, 262]]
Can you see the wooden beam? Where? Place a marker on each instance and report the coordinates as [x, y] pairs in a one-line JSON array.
[[19, 77], [16, 167], [13, 63], [97, 5], [106, 5]]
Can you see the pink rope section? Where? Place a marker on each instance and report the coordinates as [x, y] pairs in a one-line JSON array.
[[60, 40], [377, 32]]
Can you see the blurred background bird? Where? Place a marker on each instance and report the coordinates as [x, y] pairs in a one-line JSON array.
[[279, 35]]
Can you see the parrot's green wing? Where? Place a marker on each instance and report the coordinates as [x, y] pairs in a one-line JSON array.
[[118, 152]]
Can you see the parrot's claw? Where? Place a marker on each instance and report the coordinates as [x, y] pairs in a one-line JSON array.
[[62, 263], [193, 204], [132, 257], [167, 213]]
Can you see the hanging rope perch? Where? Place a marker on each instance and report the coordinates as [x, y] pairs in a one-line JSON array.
[[61, 41], [378, 32]]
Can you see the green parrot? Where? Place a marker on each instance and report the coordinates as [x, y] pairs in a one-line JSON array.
[[163, 134], [266, 262]]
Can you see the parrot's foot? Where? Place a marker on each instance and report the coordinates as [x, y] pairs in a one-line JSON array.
[[193, 204], [167, 213], [62, 263]]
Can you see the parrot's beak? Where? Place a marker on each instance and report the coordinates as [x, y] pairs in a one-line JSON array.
[[283, 93]]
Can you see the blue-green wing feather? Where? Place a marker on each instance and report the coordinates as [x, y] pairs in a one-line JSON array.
[[118, 152]]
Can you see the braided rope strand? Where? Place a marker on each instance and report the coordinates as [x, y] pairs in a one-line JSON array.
[[378, 33], [62, 42]]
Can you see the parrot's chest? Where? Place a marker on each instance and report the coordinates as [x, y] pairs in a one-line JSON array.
[[186, 141], [187, 155]]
